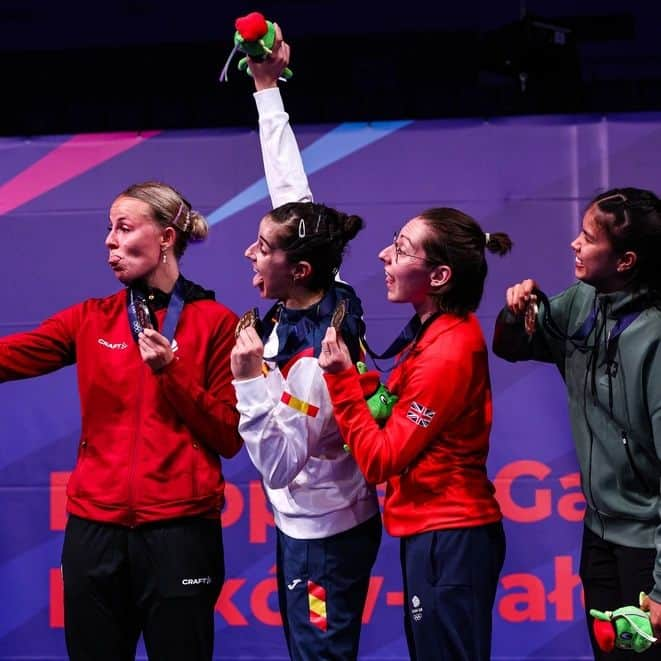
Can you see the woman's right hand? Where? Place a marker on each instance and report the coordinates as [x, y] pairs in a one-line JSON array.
[[267, 72], [334, 356], [518, 296], [247, 355]]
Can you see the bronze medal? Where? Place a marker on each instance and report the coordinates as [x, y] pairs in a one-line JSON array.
[[249, 319], [530, 315], [338, 315]]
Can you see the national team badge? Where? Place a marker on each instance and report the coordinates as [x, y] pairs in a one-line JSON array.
[[317, 605], [420, 414]]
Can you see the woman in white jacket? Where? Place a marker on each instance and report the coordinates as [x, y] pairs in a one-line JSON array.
[[327, 517]]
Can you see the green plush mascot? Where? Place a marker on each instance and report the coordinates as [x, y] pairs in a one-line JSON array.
[[378, 398], [255, 37], [626, 628]]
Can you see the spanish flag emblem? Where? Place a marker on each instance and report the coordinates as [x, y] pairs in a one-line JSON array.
[[317, 603], [300, 405]]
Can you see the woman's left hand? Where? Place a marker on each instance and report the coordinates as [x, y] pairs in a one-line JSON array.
[[155, 349], [247, 356], [334, 356]]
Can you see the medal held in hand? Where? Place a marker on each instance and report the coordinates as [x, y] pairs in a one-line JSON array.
[[142, 314], [138, 314], [249, 319], [530, 315], [338, 315]]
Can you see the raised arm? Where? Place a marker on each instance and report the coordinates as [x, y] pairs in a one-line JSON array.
[[283, 166]]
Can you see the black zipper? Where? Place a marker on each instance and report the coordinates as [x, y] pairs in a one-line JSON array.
[[625, 443]]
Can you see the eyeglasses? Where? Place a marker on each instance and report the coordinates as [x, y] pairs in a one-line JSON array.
[[400, 253]]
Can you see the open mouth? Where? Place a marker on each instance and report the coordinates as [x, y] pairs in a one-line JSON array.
[[258, 281]]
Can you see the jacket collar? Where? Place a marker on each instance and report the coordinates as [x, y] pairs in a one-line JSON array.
[[441, 324], [158, 299], [621, 302], [302, 329]]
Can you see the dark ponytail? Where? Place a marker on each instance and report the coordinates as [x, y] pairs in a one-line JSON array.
[[456, 240], [316, 234]]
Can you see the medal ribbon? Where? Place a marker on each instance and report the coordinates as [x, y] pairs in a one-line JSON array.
[[175, 306]]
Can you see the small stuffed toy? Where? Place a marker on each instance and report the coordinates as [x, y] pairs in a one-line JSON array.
[[626, 628], [255, 37], [378, 398]]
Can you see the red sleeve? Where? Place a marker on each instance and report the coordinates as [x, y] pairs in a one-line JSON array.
[[435, 391], [46, 348], [208, 410]]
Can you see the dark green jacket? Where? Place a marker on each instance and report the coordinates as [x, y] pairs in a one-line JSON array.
[[614, 393]]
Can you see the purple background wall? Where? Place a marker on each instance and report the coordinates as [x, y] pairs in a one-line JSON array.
[[530, 177]]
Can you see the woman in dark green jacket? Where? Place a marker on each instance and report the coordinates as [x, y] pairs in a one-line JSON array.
[[604, 334]]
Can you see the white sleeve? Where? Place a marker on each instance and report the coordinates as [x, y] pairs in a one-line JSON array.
[[283, 166], [282, 419]]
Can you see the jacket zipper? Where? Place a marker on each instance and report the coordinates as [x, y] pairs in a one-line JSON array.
[[625, 443], [134, 449]]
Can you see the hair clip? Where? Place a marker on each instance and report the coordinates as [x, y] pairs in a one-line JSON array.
[[487, 238], [183, 225], [301, 229]]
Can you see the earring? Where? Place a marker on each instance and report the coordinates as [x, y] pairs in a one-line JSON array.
[[164, 256]]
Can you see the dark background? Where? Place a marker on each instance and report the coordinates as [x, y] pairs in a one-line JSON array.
[[149, 64]]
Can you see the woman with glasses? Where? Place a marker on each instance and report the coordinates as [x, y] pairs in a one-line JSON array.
[[432, 450], [328, 525], [603, 334]]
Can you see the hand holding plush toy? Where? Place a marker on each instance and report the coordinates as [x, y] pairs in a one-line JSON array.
[[626, 628], [379, 399], [255, 37]]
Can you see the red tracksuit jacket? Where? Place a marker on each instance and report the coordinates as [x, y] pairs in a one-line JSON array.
[[150, 442], [433, 449]]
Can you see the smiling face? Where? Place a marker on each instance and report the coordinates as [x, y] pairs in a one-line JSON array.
[[408, 273], [596, 262], [133, 240], [274, 275]]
